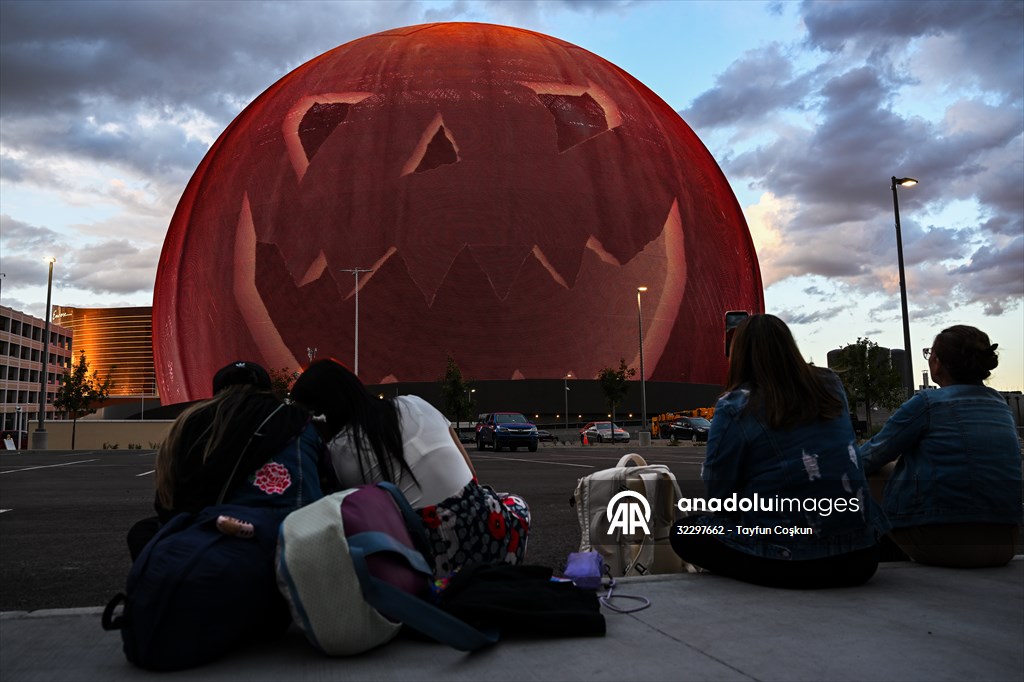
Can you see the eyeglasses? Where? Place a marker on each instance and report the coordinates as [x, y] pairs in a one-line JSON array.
[[926, 352]]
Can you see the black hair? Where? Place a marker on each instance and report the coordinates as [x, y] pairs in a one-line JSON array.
[[328, 388], [966, 353]]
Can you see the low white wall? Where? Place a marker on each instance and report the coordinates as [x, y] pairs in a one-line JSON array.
[[92, 434]]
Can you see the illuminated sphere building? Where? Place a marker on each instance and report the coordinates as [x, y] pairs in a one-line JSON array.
[[510, 191]]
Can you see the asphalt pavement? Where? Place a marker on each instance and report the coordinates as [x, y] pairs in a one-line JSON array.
[[63, 516]]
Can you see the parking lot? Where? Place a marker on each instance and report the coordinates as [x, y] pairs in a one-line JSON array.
[[64, 514]]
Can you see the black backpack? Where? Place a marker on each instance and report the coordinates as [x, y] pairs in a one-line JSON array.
[[195, 592]]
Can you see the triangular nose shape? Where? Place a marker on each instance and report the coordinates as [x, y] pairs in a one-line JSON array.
[[440, 152]]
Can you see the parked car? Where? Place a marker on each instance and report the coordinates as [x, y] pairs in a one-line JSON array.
[[694, 429], [546, 436], [506, 429], [601, 432]]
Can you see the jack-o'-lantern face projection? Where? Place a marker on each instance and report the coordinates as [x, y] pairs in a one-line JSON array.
[[509, 191]]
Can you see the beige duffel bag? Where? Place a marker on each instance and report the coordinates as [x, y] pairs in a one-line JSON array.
[[632, 537]]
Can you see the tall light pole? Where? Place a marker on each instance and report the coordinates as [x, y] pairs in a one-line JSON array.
[[39, 438], [908, 380], [356, 271], [643, 385], [565, 380]]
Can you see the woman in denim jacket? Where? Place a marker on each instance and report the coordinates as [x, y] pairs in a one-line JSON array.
[[954, 496], [781, 458]]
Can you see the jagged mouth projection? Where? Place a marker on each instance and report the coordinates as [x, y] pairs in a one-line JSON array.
[[516, 341]]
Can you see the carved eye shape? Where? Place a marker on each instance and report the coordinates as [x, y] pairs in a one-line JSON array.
[[440, 151], [577, 117], [319, 122], [436, 148]]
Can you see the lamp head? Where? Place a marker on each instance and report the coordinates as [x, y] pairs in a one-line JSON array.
[[641, 288], [905, 182], [50, 259]]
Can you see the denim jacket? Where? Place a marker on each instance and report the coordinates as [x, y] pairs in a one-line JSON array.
[[814, 465], [959, 459]]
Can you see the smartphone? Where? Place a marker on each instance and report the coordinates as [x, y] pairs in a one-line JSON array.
[[733, 318]]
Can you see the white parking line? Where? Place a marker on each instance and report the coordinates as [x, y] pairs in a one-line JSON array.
[[535, 461], [5, 510], [48, 466], [146, 473]]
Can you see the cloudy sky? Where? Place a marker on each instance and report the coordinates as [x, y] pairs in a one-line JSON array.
[[106, 109]]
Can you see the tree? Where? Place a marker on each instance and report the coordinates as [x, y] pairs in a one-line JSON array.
[[281, 381], [869, 377], [79, 391], [615, 384], [456, 393]]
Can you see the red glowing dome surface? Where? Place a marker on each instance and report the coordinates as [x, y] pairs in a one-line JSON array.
[[510, 192]]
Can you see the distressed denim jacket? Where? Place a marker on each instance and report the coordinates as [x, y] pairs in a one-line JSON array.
[[959, 459], [810, 476]]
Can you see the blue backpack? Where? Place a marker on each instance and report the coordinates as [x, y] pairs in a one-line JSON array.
[[195, 592]]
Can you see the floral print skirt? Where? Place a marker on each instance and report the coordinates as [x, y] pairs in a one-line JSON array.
[[476, 525]]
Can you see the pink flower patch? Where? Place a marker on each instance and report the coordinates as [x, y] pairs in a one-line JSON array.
[[273, 478]]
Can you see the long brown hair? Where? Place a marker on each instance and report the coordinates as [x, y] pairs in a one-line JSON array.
[[211, 428], [765, 359]]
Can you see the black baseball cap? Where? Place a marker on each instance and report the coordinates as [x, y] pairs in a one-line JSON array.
[[240, 372]]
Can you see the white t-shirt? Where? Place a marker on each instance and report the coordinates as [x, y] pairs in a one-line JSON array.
[[435, 459]]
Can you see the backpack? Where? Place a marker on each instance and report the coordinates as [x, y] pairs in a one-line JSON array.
[[205, 582], [626, 553], [353, 567], [196, 592]]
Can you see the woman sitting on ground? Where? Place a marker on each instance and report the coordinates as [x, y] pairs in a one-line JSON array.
[[406, 441], [242, 446], [782, 443], [954, 494]]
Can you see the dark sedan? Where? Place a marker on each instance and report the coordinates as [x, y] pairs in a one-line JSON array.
[[693, 429]]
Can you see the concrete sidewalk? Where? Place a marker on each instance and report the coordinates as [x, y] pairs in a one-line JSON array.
[[910, 622]]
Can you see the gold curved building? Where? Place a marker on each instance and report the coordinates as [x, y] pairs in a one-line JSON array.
[[118, 341]]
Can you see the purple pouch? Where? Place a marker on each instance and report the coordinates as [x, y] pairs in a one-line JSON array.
[[584, 569]]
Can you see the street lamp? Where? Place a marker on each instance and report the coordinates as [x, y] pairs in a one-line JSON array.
[[908, 381], [643, 385], [565, 380], [39, 438], [356, 271]]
